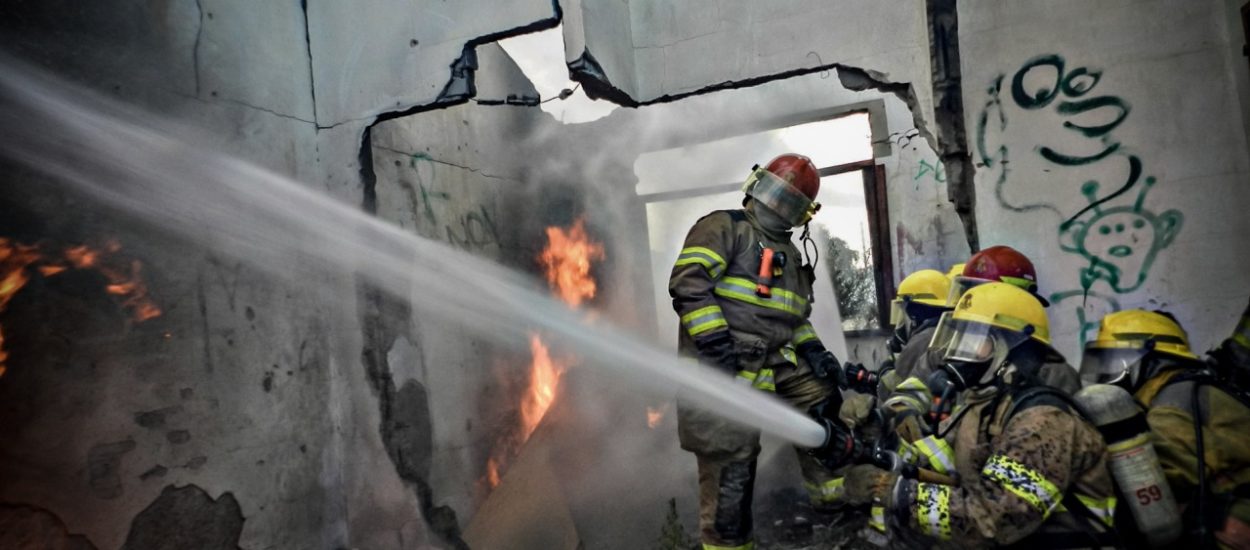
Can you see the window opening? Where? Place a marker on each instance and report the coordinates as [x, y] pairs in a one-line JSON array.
[[682, 184]]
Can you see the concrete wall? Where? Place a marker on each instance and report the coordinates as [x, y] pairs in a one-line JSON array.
[[1119, 162], [277, 429], [324, 415]]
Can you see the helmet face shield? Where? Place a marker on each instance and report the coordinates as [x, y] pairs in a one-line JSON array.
[[969, 342], [898, 311], [1118, 366], [779, 196], [960, 285]]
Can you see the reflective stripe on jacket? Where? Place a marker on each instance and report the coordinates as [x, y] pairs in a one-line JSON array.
[[713, 286]]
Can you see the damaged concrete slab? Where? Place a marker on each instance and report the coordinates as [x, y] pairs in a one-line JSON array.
[[324, 411]]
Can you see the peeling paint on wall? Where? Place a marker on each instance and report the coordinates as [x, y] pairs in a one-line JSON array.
[[186, 517], [23, 526]]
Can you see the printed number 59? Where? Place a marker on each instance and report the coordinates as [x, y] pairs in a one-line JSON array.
[[1146, 495]]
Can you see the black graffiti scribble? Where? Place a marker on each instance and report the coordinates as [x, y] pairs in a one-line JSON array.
[[1065, 89]]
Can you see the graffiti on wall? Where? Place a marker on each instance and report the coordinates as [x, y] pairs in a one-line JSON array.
[[460, 222], [911, 159], [1046, 137], [934, 169]]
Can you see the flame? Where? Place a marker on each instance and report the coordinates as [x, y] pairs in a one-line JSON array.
[[566, 263], [655, 415], [14, 258], [544, 379], [18, 260], [492, 472]]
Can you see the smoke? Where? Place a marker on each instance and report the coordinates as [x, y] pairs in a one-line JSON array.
[[155, 171]]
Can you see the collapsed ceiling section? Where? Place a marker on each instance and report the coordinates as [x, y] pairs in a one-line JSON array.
[[649, 51]]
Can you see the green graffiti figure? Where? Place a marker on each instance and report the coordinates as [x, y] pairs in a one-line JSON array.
[[1089, 312], [1120, 243]]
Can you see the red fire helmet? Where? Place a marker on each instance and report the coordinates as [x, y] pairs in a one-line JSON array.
[[1002, 263], [797, 170]]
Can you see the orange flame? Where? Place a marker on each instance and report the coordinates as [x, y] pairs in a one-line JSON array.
[[16, 261], [566, 262], [14, 258], [492, 472], [655, 415], [544, 380]]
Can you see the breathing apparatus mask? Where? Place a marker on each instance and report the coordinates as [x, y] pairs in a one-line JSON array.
[[788, 204], [975, 354], [779, 196]]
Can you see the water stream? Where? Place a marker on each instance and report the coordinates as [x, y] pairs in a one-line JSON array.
[[163, 174]]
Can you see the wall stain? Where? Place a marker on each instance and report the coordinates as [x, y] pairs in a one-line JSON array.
[[104, 461], [186, 517], [26, 526]]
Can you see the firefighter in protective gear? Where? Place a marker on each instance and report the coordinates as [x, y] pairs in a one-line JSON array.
[[1232, 357], [1148, 354], [762, 338], [1029, 470], [1008, 265], [996, 263], [920, 301]]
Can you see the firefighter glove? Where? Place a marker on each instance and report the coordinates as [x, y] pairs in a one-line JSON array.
[[867, 484], [717, 349], [824, 364], [860, 379], [841, 446], [856, 409]]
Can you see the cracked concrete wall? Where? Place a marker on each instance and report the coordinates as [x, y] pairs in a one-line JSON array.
[[678, 48], [451, 175], [377, 56], [243, 388], [1110, 147]]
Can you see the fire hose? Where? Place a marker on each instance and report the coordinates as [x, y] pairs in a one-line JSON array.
[[842, 448]]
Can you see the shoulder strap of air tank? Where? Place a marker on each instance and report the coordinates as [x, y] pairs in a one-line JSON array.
[[1033, 396], [1204, 377], [735, 216], [738, 216]]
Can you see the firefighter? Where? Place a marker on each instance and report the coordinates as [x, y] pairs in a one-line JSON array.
[[914, 313], [1148, 354], [1008, 265], [743, 295], [913, 394], [1015, 464]]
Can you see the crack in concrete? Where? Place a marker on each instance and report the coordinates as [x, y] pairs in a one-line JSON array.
[[195, 50], [674, 43], [948, 114], [266, 110], [587, 71], [312, 79], [423, 156], [204, 328]]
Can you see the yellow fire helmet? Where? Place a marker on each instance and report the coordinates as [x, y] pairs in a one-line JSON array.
[[1125, 339], [927, 286], [1140, 329], [955, 270], [1003, 306], [989, 321]]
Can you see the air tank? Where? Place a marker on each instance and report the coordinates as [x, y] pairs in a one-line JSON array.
[[1133, 462]]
